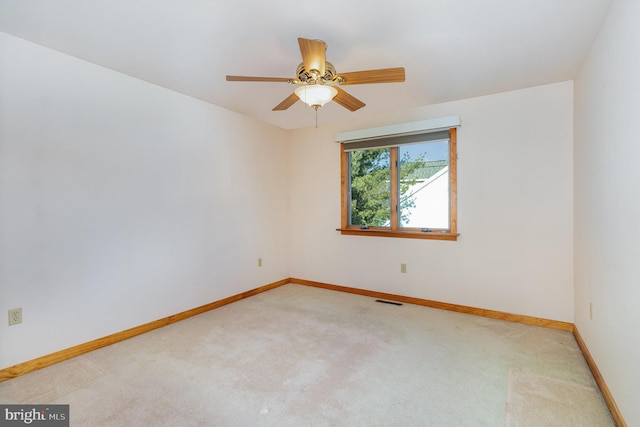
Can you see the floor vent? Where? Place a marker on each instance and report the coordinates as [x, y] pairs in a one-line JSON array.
[[388, 302]]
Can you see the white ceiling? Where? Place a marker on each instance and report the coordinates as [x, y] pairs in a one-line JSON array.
[[451, 49]]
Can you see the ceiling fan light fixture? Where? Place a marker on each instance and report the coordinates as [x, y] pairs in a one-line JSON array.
[[316, 95]]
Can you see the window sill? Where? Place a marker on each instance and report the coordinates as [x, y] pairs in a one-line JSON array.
[[409, 234]]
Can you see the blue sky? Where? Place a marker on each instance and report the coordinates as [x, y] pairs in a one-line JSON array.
[[437, 150]]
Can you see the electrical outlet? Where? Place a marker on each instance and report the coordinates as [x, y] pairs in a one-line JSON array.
[[259, 262], [403, 268], [15, 316]]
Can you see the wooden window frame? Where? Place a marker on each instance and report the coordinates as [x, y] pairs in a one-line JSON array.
[[394, 230]]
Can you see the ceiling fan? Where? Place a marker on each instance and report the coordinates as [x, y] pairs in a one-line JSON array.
[[319, 83]]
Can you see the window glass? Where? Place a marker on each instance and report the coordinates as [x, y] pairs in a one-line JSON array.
[[370, 177], [424, 185]]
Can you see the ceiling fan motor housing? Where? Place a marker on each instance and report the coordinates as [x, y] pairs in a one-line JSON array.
[[311, 77]]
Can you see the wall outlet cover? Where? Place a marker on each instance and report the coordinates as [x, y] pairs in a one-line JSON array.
[[15, 316]]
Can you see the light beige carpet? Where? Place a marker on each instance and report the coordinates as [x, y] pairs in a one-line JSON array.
[[301, 356], [533, 399]]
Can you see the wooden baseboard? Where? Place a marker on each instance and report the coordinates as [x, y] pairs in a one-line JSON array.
[[606, 393], [50, 359], [529, 320], [62, 355]]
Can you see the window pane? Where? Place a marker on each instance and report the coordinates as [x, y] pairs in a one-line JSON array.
[[424, 185], [370, 175]]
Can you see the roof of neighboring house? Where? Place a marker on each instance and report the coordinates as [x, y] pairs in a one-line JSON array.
[[429, 169]]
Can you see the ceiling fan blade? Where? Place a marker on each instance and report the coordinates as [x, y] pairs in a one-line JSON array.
[[313, 54], [288, 102], [349, 102], [384, 75], [257, 79]]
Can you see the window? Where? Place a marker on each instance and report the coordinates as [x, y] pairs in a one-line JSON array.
[[400, 186]]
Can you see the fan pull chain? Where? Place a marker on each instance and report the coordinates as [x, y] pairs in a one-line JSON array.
[[316, 108]]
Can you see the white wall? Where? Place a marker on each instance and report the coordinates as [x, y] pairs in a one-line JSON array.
[[122, 202], [515, 210], [607, 203]]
